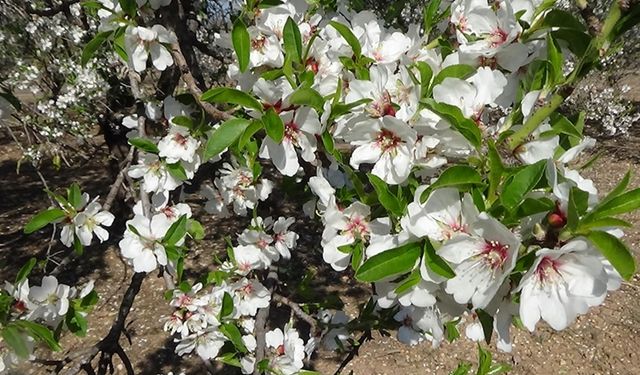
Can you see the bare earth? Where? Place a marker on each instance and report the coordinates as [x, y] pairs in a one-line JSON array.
[[605, 341]]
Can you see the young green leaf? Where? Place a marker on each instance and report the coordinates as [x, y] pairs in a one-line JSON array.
[[231, 96], [273, 125], [292, 40], [436, 263], [621, 204], [93, 45], [25, 270], [348, 36], [307, 96], [15, 340], [44, 218], [241, 44], [454, 116], [39, 332], [461, 71], [144, 144], [224, 136], [176, 231], [227, 306], [233, 334], [177, 171], [522, 183], [386, 199], [391, 262], [615, 251]]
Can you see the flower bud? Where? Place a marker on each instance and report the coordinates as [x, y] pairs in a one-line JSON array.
[[538, 232], [557, 220]]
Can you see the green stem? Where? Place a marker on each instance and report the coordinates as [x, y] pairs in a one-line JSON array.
[[615, 13], [534, 121]]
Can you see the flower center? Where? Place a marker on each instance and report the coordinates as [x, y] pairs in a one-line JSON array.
[[180, 139], [547, 269], [387, 140], [495, 253], [357, 227], [382, 106], [498, 37], [291, 131]]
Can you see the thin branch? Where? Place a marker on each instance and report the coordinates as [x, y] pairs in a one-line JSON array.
[[298, 312], [190, 81], [366, 335]]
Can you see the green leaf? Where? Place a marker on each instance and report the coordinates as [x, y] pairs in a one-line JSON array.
[[623, 203], [74, 196], [252, 129], [273, 125], [93, 45], [467, 127], [227, 306], [562, 125], [555, 59], [457, 175], [16, 341], [460, 71], [412, 280], [292, 40], [451, 330], [619, 189], [348, 36], [604, 222], [484, 361], [426, 74], [144, 144], [615, 251], [462, 369], [25, 270], [40, 333], [522, 183], [576, 41], [436, 263], [231, 96], [391, 262], [309, 97], [76, 323], [195, 229], [78, 247], [386, 199], [241, 44], [430, 15], [562, 19], [176, 231], [130, 7], [233, 334], [357, 253], [183, 121], [224, 136], [44, 218], [177, 170], [89, 300], [486, 321]]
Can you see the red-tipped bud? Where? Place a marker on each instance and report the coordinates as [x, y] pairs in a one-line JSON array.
[[557, 220]]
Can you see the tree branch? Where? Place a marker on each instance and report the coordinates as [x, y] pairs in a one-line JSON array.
[[298, 312], [190, 81]]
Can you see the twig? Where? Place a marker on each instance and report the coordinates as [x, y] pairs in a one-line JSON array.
[[190, 81], [115, 188], [298, 312], [366, 335], [110, 344]]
